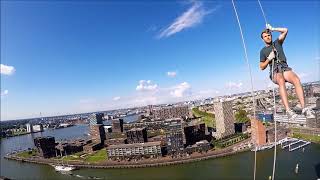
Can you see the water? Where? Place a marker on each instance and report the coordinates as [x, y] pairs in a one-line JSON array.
[[131, 118], [126, 119], [238, 166]]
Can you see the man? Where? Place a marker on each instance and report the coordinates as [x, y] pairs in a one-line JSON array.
[[280, 73]]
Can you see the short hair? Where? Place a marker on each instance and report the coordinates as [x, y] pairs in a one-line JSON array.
[[265, 31]]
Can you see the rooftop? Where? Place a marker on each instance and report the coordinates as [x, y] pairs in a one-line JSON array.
[[156, 143], [137, 129]]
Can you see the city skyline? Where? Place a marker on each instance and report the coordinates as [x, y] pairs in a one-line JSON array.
[[69, 57]]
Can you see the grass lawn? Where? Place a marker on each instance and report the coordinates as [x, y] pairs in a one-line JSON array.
[[98, 156], [207, 118], [73, 157], [308, 137], [19, 133], [27, 154]]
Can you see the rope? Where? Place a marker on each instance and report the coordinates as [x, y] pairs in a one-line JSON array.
[[275, 127], [265, 19], [250, 74], [274, 102]]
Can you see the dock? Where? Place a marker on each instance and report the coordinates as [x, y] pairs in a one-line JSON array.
[[290, 142], [284, 143]]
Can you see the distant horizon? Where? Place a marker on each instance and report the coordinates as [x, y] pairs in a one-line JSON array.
[[137, 106], [73, 57]]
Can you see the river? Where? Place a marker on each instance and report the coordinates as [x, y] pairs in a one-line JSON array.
[[238, 166]]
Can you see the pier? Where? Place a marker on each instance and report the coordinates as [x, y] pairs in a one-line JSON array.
[[289, 142]]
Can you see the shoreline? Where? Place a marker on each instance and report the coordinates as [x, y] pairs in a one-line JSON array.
[[164, 161], [26, 133]]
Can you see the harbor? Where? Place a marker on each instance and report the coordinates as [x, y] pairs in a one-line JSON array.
[[293, 144], [211, 168]]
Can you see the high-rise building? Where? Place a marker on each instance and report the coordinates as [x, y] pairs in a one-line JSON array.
[[224, 119], [195, 133], [97, 133], [29, 128], [174, 138], [117, 125], [45, 146], [71, 147], [171, 112], [137, 135], [96, 118], [258, 132]]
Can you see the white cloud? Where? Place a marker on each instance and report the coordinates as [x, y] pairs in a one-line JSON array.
[[116, 98], [189, 18], [234, 85], [172, 74], [7, 70], [146, 85], [5, 92], [181, 90]]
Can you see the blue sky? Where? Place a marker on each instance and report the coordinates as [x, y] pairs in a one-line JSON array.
[[63, 57]]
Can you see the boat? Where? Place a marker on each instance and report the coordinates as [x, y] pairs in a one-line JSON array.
[[296, 169], [62, 168]]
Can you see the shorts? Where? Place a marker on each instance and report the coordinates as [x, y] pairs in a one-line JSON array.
[[279, 68]]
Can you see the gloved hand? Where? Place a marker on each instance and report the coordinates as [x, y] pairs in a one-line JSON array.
[[271, 56], [269, 27]]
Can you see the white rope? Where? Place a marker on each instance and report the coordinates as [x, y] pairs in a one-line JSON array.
[[265, 19], [250, 74], [274, 102], [275, 126]]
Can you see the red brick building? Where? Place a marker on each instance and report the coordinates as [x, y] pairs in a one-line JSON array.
[[258, 132]]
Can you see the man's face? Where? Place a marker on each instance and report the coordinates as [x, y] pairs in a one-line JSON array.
[[267, 38]]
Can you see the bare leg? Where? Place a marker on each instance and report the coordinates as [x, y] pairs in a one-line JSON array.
[[291, 77], [279, 79]]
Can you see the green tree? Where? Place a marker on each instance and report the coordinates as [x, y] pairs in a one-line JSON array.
[[241, 116]]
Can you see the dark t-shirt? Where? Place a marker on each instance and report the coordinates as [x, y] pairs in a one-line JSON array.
[[264, 53]]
